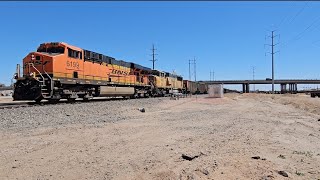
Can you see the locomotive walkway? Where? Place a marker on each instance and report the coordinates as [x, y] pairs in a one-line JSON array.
[[283, 83]]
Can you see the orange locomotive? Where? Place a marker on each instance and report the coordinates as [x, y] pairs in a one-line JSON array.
[[61, 71]]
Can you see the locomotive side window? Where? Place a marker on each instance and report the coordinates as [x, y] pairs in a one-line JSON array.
[[69, 52], [38, 58], [50, 50], [74, 54]]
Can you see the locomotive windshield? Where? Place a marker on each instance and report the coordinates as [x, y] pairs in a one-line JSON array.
[[56, 50]]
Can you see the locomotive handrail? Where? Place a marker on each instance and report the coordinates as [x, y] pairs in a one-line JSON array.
[[151, 82], [36, 70], [43, 80], [51, 82]]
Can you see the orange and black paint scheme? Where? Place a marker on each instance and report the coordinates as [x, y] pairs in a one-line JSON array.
[[58, 70]]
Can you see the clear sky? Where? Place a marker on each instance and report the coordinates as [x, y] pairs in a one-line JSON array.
[[227, 37]]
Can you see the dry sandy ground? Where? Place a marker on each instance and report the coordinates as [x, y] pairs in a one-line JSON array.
[[222, 135]]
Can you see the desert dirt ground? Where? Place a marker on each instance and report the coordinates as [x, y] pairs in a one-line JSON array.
[[189, 138]]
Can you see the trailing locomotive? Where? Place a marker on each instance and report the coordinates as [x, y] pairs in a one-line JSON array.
[[61, 71]]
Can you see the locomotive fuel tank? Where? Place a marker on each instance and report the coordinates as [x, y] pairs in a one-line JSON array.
[[106, 91]]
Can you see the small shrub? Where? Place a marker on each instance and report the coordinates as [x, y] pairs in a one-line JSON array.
[[281, 156], [299, 173], [306, 153]]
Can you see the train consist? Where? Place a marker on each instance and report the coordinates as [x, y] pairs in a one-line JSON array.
[[58, 70]]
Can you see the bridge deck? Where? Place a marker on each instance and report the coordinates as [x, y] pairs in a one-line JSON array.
[[276, 81]]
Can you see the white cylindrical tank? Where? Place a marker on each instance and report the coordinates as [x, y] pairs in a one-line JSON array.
[[215, 90]]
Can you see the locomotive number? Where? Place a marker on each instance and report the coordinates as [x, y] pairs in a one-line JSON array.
[[72, 64]]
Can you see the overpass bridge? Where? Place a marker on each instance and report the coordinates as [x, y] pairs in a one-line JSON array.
[[3, 88], [292, 88]]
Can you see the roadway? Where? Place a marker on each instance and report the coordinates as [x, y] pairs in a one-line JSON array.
[[283, 83], [276, 81]]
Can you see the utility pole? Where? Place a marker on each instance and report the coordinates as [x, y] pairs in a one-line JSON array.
[[213, 75], [153, 56], [195, 70], [212, 72], [272, 57], [190, 70], [272, 53], [192, 62], [253, 68]]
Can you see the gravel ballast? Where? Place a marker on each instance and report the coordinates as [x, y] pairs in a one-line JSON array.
[[53, 115]]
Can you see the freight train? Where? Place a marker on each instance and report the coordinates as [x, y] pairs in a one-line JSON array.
[[192, 87], [58, 70]]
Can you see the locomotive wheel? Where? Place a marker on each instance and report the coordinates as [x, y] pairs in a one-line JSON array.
[[54, 101], [87, 99], [71, 100], [38, 101], [125, 97]]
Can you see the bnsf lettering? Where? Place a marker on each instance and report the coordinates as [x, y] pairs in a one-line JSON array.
[[72, 64], [115, 71]]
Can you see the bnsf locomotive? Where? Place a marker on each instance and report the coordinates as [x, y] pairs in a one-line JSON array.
[[61, 71]]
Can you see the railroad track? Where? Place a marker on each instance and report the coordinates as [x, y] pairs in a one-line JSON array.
[[13, 105]]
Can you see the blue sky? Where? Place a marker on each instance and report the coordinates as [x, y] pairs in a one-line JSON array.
[[227, 37]]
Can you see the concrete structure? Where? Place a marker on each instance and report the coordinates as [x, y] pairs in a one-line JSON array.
[[292, 88]]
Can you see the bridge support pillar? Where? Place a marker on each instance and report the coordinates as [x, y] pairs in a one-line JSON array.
[[283, 88], [290, 88], [247, 88], [293, 88], [243, 88]]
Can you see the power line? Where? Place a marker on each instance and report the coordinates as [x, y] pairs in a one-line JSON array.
[[290, 20], [284, 18], [299, 12], [300, 35]]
